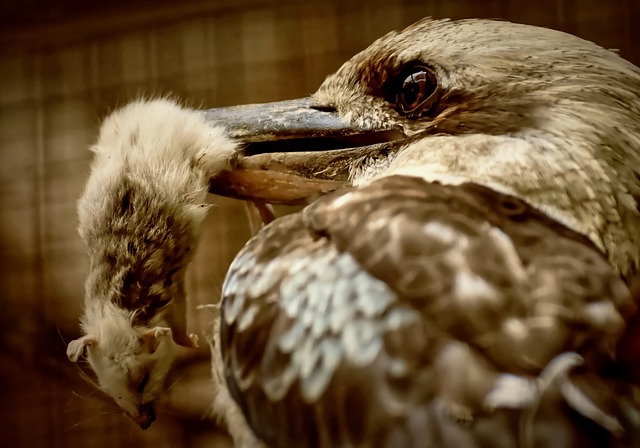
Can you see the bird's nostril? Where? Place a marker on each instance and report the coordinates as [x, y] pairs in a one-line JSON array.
[[147, 415]]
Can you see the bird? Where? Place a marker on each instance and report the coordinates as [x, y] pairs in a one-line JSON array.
[[460, 273]]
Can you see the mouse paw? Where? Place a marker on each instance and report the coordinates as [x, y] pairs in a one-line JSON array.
[[195, 340]]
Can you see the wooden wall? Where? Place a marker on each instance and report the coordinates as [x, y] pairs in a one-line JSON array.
[[65, 64]]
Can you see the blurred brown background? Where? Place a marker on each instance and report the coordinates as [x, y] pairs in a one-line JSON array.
[[65, 64]]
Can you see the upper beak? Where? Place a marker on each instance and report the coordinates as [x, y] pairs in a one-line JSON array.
[[294, 150]]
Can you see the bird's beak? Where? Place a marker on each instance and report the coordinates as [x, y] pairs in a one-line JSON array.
[[294, 150]]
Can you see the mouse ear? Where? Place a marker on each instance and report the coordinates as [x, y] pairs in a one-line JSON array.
[[76, 348]]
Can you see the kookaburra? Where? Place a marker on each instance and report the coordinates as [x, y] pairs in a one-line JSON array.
[[468, 290], [463, 286]]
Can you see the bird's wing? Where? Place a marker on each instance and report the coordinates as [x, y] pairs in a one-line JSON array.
[[407, 313]]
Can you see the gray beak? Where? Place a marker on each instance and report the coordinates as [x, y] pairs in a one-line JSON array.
[[294, 150]]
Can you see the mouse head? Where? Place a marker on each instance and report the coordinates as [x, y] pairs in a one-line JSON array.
[[131, 363]]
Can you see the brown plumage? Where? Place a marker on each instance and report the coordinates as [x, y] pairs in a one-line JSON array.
[[469, 291], [389, 315]]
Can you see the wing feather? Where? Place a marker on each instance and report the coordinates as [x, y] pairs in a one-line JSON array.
[[387, 314]]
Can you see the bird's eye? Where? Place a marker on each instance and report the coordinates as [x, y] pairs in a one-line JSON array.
[[416, 91]]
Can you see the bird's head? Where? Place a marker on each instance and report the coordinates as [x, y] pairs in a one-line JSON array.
[[537, 113]]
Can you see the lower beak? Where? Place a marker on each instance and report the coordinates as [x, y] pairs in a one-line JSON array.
[[294, 150]]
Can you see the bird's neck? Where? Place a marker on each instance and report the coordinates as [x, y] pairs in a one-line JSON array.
[[536, 170]]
